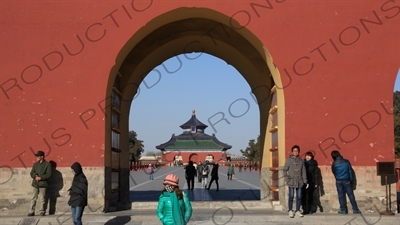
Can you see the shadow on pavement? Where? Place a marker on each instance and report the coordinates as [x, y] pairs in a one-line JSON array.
[[201, 195], [119, 220]]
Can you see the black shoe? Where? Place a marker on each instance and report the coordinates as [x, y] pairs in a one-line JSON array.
[[217, 190], [42, 213], [31, 214]]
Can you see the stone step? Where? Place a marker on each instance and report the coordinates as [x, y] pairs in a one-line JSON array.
[[213, 205], [210, 216]]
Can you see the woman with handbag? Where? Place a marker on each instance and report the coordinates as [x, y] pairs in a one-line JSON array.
[[231, 172], [174, 206]]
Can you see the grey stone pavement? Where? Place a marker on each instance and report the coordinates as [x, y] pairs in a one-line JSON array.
[[237, 202]]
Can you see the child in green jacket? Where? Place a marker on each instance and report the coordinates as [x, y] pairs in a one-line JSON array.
[[174, 207]]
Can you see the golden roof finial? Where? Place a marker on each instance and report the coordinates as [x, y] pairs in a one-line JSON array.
[[193, 112]]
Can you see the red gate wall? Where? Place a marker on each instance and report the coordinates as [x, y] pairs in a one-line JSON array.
[[338, 61]]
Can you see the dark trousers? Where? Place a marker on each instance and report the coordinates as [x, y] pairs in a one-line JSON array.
[[308, 200], [190, 180], [211, 181], [199, 176], [344, 187], [51, 200], [229, 176]]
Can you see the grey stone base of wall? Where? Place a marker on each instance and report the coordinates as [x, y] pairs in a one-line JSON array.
[[16, 192], [370, 190]]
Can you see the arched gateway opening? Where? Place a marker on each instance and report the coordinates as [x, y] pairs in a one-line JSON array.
[[188, 30]]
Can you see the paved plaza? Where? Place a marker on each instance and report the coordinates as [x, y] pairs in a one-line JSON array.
[[245, 186]]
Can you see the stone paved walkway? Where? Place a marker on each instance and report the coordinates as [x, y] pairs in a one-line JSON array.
[[245, 186]]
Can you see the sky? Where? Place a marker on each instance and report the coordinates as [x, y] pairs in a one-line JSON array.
[[206, 84], [397, 83]]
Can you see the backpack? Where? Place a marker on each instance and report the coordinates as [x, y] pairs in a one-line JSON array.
[[205, 170]]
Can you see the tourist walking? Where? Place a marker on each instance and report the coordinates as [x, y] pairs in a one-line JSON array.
[[204, 174], [313, 173], [190, 172], [214, 176], [231, 172], [174, 206], [150, 171], [78, 193], [343, 172], [199, 170], [40, 173], [295, 177]]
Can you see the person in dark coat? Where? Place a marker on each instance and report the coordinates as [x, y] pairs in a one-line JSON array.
[[78, 193], [214, 176], [189, 174], [312, 172]]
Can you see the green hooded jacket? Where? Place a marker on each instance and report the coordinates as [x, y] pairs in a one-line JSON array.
[[174, 211]]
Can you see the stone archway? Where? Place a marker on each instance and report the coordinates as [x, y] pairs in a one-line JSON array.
[[187, 30]]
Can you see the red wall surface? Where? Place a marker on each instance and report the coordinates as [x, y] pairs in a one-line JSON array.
[[338, 72], [168, 157]]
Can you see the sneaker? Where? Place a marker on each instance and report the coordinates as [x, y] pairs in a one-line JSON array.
[[42, 213], [342, 212], [291, 214], [357, 211], [31, 214], [299, 214]]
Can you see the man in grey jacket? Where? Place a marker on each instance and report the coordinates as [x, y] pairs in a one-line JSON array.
[[295, 177]]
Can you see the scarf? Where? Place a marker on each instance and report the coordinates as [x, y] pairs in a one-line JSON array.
[[176, 209]]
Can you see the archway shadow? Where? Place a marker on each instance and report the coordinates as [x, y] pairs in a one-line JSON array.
[[55, 184], [119, 220], [223, 194]]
